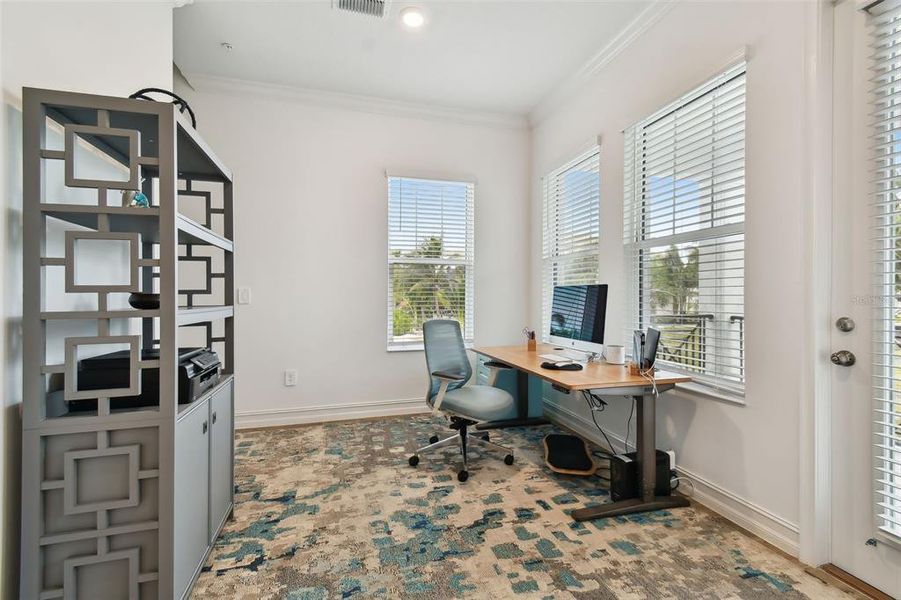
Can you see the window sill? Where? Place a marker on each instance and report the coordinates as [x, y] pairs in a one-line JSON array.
[[700, 391], [419, 347], [410, 348]]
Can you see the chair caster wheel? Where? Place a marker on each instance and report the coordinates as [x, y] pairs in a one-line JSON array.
[[414, 460], [462, 476], [508, 460], [433, 439]]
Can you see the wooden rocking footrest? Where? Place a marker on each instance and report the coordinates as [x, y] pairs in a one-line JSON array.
[[568, 454]]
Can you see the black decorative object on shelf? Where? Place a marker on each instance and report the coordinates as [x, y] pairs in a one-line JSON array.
[[142, 301], [177, 100]]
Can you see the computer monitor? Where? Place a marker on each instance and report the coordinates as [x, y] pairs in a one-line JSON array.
[[578, 315]]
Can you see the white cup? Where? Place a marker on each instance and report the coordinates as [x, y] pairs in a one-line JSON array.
[[615, 354]]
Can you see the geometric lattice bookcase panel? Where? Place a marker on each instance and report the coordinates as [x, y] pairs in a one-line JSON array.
[[102, 178]]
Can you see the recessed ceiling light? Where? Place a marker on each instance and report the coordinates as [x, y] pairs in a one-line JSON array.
[[412, 17]]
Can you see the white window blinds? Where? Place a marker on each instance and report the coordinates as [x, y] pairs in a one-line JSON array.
[[684, 186], [886, 206], [430, 257], [571, 227]]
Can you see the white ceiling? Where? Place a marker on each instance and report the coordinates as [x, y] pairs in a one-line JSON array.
[[489, 55]]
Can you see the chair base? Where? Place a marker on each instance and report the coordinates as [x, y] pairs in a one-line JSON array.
[[463, 439]]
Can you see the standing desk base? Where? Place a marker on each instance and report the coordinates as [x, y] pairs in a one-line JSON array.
[[647, 467], [629, 507], [527, 422], [522, 418]]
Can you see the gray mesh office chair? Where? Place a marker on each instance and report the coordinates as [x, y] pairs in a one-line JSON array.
[[464, 406]]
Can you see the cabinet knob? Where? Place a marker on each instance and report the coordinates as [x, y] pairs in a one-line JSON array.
[[205, 426], [214, 418]]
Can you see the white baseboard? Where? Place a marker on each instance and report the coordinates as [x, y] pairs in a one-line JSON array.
[[770, 527], [320, 414]]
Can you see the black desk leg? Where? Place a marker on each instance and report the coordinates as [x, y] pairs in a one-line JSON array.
[[522, 408], [647, 463]]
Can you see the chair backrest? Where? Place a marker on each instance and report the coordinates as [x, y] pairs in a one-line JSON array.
[[444, 351]]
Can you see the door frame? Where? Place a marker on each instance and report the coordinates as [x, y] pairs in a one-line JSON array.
[[815, 410]]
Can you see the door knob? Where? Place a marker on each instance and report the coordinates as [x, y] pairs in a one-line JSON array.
[[843, 358]]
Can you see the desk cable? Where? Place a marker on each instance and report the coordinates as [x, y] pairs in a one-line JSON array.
[[597, 404], [650, 377]]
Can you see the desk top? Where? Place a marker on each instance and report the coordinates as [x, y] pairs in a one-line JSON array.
[[594, 376]]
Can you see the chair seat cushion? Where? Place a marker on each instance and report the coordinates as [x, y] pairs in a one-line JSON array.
[[480, 403]]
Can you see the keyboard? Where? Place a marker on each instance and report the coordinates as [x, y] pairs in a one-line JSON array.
[[555, 358]]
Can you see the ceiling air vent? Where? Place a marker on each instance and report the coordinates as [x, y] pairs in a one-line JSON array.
[[372, 8]]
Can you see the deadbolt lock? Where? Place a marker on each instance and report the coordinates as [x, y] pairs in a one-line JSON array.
[[845, 324]]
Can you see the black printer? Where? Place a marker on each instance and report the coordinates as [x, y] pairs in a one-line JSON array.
[[198, 371]]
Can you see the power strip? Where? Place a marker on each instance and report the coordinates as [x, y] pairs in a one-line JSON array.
[[672, 460]]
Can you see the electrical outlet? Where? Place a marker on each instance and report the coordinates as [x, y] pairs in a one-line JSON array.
[[291, 377], [243, 295]]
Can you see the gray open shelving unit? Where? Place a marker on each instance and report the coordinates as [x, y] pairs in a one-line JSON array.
[[113, 501]]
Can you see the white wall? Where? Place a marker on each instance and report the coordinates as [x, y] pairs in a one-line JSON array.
[[108, 47], [750, 454], [96, 47], [311, 243]]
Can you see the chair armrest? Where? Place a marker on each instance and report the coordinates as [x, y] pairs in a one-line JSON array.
[[446, 378], [449, 375]]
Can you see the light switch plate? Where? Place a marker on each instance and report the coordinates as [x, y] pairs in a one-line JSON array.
[[243, 295], [291, 377]]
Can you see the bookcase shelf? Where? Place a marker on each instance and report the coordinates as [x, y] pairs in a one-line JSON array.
[[204, 314], [138, 220], [196, 160]]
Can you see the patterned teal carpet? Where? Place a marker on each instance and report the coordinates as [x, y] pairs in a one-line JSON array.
[[334, 511]]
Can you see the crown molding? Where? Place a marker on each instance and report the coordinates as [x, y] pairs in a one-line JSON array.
[[355, 102], [631, 32]]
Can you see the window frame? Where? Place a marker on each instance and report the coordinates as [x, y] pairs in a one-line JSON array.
[[552, 259], [884, 145], [638, 240], [467, 261]]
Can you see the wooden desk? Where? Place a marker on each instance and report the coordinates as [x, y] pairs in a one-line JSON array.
[[595, 376], [603, 379]]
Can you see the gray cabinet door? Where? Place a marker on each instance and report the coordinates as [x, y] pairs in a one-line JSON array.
[[221, 457], [192, 468]]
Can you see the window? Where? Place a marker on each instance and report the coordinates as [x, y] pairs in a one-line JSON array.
[[684, 186], [886, 153], [571, 227], [430, 257]]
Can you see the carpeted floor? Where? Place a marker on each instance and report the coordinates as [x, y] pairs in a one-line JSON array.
[[334, 511]]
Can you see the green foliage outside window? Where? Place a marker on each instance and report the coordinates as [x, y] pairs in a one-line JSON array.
[[424, 291], [674, 303], [674, 281]]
